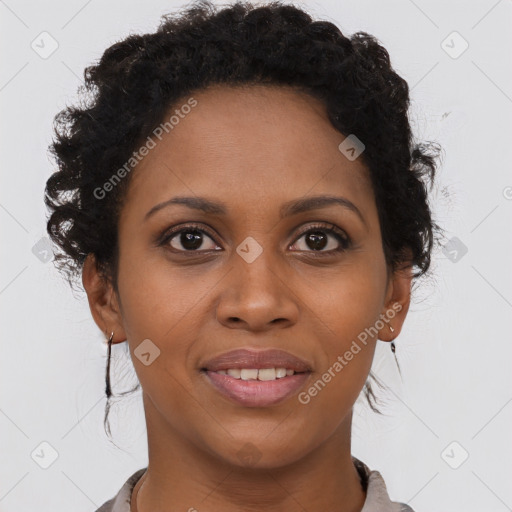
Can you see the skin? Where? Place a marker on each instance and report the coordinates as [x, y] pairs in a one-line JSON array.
[[254, 149]]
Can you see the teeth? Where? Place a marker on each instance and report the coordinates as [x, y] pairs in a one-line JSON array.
[[246, 374], [266, 374], [255, 374]]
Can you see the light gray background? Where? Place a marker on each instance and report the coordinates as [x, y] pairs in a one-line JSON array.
[[454, 350]]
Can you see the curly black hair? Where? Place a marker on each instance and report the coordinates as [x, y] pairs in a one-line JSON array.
[[138, 80]]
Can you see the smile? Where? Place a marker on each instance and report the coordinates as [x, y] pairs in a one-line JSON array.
[[243, 389]]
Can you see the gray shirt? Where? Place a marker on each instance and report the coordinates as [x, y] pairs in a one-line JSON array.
[[377, 498]]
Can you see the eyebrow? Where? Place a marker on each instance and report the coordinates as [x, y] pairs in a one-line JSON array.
[[288, 209]]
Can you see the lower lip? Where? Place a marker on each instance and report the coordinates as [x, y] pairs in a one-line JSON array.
[[257, 393]]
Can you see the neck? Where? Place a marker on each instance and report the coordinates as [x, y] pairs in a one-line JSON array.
[[182, 476]]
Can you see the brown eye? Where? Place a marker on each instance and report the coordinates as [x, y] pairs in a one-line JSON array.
[[322, 239], [190, 239]]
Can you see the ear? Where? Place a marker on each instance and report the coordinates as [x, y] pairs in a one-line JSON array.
[[397, 301], [103, 301]]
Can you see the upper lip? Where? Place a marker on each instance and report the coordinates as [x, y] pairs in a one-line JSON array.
[[256, 359]]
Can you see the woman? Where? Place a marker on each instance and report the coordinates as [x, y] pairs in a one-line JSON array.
[[245, 205]]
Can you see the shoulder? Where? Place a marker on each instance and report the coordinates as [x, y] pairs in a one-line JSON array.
[[377, 497], [121, 501]]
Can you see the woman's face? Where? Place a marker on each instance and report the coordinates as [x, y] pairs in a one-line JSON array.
[[250, 275]]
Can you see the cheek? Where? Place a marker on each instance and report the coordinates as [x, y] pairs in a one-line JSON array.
[[159, 305], [345, 349], [346, 309], [348, 300], [158, 298], [155, 302]]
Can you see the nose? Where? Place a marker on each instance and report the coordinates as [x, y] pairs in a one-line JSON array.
[[256, 298]]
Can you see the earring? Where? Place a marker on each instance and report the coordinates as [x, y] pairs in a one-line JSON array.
[[108, 389], [393, 349]]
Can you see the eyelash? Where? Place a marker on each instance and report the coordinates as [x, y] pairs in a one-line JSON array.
[[344, 240]]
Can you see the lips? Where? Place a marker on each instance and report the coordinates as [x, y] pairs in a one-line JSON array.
[[256, 393], [249, 389], [256, 359]]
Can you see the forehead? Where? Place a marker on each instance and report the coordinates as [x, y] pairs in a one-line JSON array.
[[256, 143]]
